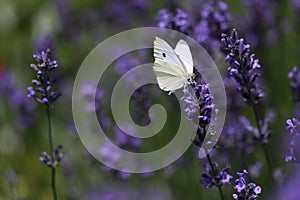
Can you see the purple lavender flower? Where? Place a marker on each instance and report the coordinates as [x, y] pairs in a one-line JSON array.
[[15, 97], [140, 99], [122, 18], [24, 107], [242, 67], [6, 81], [110, 193], [141, 104], [207, 181], [255, 170], [11, 178], [264, 133], [204, 26], [43, 41], [181, 21], [238, 133], [164, 19], [123, 175], [236, 136], [96, 104], [215, 177], [93, 104], [245, 190], [43, 91], [53, 160], [296, 4], [212, 20], [289, 190], [234, 103], [138, 103], [202, 32], [258, 22], [217, 15], [68, 18], [124, 12], [292, 124], [110, 155], [198, 103], [293, 155], [121, 191], [294, 76], [125, 63], [125, 140]]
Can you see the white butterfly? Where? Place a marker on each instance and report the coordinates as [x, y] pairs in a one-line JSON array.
[[173, 67]]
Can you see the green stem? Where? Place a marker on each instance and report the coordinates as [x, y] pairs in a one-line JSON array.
[[49, 130], [221, 192], [213, 168], [51, 154], [256, 116], [261, 137], [245, 165], [53, 183], [215, 173]]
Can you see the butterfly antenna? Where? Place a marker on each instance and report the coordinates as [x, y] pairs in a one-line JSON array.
[[196, 73]]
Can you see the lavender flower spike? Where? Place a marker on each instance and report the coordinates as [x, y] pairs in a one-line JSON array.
[[293, 155], [245, 190], [199, 99], [294, 75], [54, 160], [215, 177], [42, 91], [242, 67]]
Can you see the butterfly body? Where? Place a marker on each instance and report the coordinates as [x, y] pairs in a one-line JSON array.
[[173, 67]]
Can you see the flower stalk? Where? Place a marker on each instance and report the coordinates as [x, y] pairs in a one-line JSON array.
[[54, 193], [199, 106], [243, 68], [214, 171], [43, 93]]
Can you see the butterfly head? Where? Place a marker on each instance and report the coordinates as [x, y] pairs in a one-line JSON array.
[[191, 77]]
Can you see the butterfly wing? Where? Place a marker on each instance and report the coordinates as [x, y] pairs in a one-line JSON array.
[[169, 76], [163, 51], [184, 53]]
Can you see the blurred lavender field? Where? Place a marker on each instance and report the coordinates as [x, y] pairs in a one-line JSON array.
[[255, 46]]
